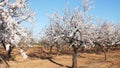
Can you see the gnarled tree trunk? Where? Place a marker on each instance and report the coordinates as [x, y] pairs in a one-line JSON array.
[[58, 50], [9, 52], [51, 47], [74, 58]]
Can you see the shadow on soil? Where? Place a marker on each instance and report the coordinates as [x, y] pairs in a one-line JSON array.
[[50, 59], [46, 56], [41, 54]]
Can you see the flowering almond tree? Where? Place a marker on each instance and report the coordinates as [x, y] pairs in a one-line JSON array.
[[102, 36], [116, 39], [12, 14], [54, 30]]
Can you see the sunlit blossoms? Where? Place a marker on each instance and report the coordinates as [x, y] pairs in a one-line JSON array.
[[12, 14]]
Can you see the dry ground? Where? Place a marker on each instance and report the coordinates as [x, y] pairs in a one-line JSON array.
[[40, 59]]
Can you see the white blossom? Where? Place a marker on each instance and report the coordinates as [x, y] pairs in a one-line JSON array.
[[23, 54], [7, 47], [10, 19]]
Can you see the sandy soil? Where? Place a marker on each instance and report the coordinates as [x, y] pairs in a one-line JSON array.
[[64, 61]]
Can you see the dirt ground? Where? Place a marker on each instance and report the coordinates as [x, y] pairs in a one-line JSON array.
[[63, 61]]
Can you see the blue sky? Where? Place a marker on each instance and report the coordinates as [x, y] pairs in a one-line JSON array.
[[104, 9]]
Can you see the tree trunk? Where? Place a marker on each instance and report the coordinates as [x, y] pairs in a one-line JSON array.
[[58, 50], [51, 49], [74, 58], [10, 51], [3, 43], [104, 53]]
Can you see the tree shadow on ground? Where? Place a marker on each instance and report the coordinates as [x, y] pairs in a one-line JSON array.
[[41, 54], [50, 59]]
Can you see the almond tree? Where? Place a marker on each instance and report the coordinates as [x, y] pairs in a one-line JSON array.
[[103, 36], [12, 14], [77, 31], [49, 37], [116, 39], [53, 31]]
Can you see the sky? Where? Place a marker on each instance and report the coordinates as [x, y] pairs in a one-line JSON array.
[[103, 9]]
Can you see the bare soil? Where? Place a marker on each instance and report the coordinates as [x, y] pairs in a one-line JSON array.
[[40, 58]]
